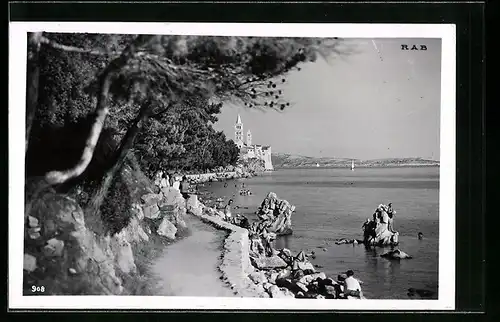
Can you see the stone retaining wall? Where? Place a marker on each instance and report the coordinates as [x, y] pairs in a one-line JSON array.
[[235, 266]]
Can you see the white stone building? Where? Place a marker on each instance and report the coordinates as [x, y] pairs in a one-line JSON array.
[[248, 149]]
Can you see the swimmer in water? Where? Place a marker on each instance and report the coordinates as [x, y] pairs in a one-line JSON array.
[[420, 235]]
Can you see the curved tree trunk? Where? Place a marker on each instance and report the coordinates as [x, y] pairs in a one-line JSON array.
[[102, 110], [32, 81], [120, 156]]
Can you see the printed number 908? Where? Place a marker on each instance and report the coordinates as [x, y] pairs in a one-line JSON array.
[[37, 289]]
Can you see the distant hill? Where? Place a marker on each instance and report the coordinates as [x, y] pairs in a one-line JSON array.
[[283, 160]]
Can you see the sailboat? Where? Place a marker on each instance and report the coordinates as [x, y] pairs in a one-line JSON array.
[[352, 165], [317, 165]]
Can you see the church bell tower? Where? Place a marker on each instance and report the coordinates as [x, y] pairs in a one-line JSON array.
[[249, 138], [238, 132]]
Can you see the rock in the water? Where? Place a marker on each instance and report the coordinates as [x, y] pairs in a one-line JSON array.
[[32, 222], [377, 231], [29, 263], [269, 262], [151, 211], [151, 199], [54, 248], [396, 254], [276, 214], [167, 229]]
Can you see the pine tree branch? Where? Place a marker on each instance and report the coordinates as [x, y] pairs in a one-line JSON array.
[[102, 110], [73, 49]]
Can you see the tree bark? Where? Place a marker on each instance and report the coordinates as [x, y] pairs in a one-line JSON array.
[[32, 81], [120, 156], [102, 110]]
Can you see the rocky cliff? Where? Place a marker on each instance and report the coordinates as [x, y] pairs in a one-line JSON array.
[[67, 254]]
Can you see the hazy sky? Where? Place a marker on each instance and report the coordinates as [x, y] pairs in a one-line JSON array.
[[380, 102]]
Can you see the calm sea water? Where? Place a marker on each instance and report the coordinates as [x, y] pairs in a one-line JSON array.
[[334, 203]]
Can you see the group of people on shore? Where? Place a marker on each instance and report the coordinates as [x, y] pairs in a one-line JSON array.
[[181, 183]]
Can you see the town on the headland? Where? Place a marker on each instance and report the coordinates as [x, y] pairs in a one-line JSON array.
[[248, 150]]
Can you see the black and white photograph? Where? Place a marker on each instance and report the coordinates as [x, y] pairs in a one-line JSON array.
[[232, 166]]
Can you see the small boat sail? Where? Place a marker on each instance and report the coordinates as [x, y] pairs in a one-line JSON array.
[[352, 165], [317, 165]]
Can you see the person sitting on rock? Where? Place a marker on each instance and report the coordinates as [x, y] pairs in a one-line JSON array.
[[351, 286]]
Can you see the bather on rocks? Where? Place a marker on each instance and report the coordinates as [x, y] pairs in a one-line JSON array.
[[352, 287], [391, 212]]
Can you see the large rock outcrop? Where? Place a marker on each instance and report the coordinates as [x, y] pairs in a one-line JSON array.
[[275, 215], [378, 231], [67, 253], [65, 244]]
